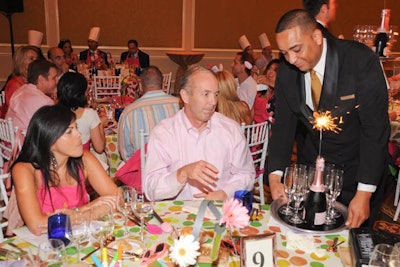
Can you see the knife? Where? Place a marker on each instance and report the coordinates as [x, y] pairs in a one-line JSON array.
[[161, 221]]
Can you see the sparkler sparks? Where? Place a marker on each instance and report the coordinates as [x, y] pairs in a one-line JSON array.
[[323, 121]]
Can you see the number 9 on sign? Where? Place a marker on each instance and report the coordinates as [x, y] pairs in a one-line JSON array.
[[258, 251]]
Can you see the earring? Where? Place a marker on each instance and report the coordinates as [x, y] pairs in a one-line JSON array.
[[53, 161]]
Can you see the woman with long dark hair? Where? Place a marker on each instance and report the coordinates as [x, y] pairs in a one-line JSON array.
[[51, 171]]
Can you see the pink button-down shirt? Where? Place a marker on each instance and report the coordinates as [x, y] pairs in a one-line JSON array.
[[174, 142]]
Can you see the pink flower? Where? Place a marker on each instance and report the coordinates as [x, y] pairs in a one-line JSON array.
[[234, 214]]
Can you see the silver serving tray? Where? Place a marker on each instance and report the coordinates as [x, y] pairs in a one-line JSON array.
[[339, 226]]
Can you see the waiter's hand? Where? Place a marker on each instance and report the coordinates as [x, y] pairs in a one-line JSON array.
[[276, 187], [358, 210]]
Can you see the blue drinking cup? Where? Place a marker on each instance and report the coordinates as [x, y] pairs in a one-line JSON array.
[[59, 227], [246, 197]]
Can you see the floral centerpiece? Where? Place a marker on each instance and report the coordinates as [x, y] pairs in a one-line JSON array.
[[185, 250]]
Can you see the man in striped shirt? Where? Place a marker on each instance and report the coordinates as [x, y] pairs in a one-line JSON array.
[[154, 106]]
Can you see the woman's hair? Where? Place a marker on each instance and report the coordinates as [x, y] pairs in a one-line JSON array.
[[71, 90], [47, 125], [63, 42], [19, 59], [270, 63], [228, 99]]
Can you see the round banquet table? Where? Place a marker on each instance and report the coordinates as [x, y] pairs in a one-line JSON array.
[[182, 214], [183, 59]]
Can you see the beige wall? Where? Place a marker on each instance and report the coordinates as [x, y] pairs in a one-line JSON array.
[[210, 26]]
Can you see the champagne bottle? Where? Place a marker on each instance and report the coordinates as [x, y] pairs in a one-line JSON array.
[[315, 206], [382, 36]]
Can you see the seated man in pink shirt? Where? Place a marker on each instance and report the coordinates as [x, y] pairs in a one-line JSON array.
[[42, 84], [198, 153]]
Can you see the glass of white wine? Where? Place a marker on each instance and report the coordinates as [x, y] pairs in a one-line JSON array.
[[80, 222], [101, 223], [141, 209]]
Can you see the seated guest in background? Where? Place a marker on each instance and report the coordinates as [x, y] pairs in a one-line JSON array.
[[21, 60], [266, 54], [198, 153], [35, 39], [229, 103], [71, 58], [134, 56], [50, 172], [71, 93], [264, 104], [41, 87], [154, 106], [94, 57], [56, 55], [241, 69]]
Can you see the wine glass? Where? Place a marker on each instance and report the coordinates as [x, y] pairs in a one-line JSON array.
[[80, 228], [384, 255], [101, 223], [330, 187], [124, 202], [299, 193], [141, 209], [338, 189], [288, 184], [52, 252]]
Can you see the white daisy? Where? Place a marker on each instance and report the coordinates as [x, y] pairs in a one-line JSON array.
[[185, 250]]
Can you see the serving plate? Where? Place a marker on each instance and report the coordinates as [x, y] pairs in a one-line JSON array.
[[135, 248], [322, 229]]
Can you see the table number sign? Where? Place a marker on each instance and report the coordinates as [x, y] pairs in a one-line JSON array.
[[258, 251]]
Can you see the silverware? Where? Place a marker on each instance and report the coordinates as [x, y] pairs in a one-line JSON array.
[[131, 253], [108, 241], [332, 247], [161, 221], [136, 220], [23, 252]]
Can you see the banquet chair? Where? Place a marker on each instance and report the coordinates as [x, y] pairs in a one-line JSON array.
[[106, 86], [257, 136], [142, 143], [166, 82]]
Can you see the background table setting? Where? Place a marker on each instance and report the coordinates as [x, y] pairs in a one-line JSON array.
[[292, 247]]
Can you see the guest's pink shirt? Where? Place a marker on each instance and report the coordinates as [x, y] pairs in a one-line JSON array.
[[63, 196], [24, 103], [174, 142]]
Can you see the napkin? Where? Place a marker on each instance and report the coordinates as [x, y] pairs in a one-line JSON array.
[[193, 207], [25, 234], [303, 242]]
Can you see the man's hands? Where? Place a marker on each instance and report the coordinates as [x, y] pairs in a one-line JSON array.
[[359, 209], [202, 175], [276, 187]]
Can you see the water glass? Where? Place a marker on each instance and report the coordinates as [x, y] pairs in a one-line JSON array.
[[52, 252], [124, 202], [80, 228], [101, 223], [384, 255], [59, 227], [246, 198], [141, 209]]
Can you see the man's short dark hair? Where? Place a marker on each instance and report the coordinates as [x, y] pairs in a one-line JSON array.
[[314, 6], [151, 77], [296, 17], [39, 67], [133, 41]]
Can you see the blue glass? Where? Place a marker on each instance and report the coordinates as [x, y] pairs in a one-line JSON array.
[[246, 197], [117, 113], [59, 227]]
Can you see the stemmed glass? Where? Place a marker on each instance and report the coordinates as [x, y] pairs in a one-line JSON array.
[[338, 189], [299, 193], [80, 228], [288, 184], [124, 203], [52, 253], [141, 209], [101, 223], [333, 186], [384, 255]]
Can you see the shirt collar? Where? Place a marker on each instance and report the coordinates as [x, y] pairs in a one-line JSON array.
[[320, 67], [188, 125]]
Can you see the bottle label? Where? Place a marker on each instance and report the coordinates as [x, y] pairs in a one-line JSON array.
[[319, 218]]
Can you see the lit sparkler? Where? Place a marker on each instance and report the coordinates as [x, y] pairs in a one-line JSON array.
[[323, 121]]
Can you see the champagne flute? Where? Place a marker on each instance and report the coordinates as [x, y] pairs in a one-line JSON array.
[[124, 203], [80, 228], [288, 184], [141, 209], [101, 223], [299, 192]]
